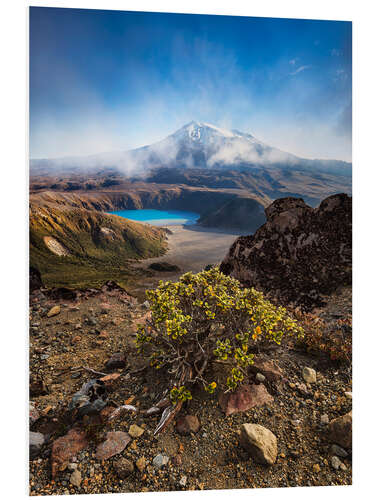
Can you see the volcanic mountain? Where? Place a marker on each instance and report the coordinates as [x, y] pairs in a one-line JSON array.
[[196, 145]]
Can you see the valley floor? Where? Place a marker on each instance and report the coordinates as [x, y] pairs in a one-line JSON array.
[[191, 248]]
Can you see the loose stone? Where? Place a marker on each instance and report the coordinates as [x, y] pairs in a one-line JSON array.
[[309, 375]]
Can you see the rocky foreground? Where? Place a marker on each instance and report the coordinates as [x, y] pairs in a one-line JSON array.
[[290, 425]]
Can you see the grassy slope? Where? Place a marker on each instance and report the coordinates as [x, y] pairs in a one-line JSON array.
[[94, 256]]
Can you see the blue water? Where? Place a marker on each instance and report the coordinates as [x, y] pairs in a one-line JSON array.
[[159, 217]]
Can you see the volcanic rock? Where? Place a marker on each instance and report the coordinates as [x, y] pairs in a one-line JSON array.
[[188, 424], [35, 279], [123, 468], [115, 443], [244, 398], [76, 478], [33, 414], [309, 375], [135, 431], [300, 253], [260, 442], [141, 464], [340, 430], [36, 441], [117, 360], [160, 460], [66, 447], [338, 451], [268, 368], [54, 311]]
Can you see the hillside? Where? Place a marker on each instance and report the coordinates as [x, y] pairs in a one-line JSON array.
[[76, 247], [206, 202], [244, 213]]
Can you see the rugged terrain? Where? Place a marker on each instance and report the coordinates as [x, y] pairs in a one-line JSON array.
[[74, 241], [84, 331], [86, 335], [198, 158], [226, 176], [300, 253]]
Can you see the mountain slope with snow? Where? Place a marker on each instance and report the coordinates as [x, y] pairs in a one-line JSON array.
[[196, 145]]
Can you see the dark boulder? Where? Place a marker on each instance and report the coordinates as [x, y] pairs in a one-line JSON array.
[[62, 293], [164, 267], [117, 360], [35, 279], [300, 254]]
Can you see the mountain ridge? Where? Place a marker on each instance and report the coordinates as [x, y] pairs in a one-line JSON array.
[[195, 145]]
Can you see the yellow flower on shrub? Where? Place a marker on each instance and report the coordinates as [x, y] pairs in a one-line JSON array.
[[208, 317]]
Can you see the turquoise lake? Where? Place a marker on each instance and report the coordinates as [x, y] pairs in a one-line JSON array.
[[159, 217]]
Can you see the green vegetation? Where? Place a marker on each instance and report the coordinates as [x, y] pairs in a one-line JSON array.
[[208, 317], [94, 247]]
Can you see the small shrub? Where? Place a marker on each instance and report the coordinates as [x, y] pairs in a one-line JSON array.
[[333, 339], [208, 317]]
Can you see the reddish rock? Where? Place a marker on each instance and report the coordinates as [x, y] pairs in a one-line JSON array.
[[117, 360], [115, 443], [109, 379], [142, 320], [268, 368], [301, 387], [188, 424], [244, 398], [66, 447], [340, 430]]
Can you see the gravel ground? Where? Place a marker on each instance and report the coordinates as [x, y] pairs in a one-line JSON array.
[[210, 459]]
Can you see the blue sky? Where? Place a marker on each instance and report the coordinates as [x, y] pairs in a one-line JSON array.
[[112, 80]]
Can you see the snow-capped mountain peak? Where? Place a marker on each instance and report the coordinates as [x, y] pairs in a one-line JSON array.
[[202, 132], [199, 145]]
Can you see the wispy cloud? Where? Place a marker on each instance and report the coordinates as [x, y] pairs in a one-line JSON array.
[[293, 61], [335, 52], [301, 68], [340, 74]]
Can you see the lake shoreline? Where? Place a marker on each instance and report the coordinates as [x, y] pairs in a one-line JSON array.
[[158, 218]]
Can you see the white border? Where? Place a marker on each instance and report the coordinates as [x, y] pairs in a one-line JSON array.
[[14, 145]]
